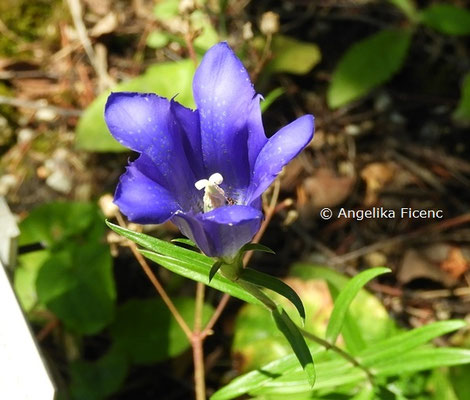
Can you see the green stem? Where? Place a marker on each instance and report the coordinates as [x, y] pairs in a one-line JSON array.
[[329, 346], [197, 341]]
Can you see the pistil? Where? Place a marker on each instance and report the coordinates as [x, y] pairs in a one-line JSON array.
[[214, 195]]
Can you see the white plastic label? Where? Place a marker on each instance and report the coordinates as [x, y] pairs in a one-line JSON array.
[[23, 375]]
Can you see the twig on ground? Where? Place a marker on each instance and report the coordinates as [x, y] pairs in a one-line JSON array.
[[439, 226], [104, 80], [39, 105]]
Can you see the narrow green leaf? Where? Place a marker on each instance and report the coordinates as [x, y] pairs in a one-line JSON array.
[[163, 247], [367, 313], [351, 330], [215, 267], [447, 19], [423, 359], [253, 379], [406, 341], [256, 247], [184, 262], [335, 373], [284, 372], [276, 285], [200, 273], [185, 241], [330, 374], [462, 112], [345, 298], [366, 65], [271, 97], [297, 341]]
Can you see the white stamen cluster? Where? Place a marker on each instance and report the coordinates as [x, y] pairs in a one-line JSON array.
[[214, 195]]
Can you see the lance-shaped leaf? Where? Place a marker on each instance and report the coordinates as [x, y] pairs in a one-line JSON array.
[[185, 241], [276, 285], [345, 299], [406, 341], [199, 273], [381, 357], [184, 262], [423, 359], [297, 342]]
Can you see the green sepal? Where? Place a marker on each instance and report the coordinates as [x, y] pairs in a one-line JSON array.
[[215, 267], [256, 247]]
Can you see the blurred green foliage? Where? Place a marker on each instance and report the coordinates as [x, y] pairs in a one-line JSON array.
[[146, 331], [376, 59], [366, 65], [166, 79], [25, 20], [462, 112], [256, 340], [447, 19]]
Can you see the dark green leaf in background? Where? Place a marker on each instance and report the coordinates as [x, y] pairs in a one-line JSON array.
[[26, 273], [97, 380], [292, 56], [56, 223], [462, 113], [366, 65], [447, 19], [147, 332], [77, 285], [72, 276]]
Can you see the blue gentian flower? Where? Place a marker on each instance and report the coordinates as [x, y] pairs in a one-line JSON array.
[[206, 169]]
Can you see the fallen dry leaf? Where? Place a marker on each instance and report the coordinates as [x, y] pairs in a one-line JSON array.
[[455, 264], [439, 262], [105, 25], [326, 189], [376, 175]]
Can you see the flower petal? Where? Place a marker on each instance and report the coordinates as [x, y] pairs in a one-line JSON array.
[[145, 123], [256, 136], [189, 122], [221, 232], [278, 151], [223, 93], [140, 197]]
